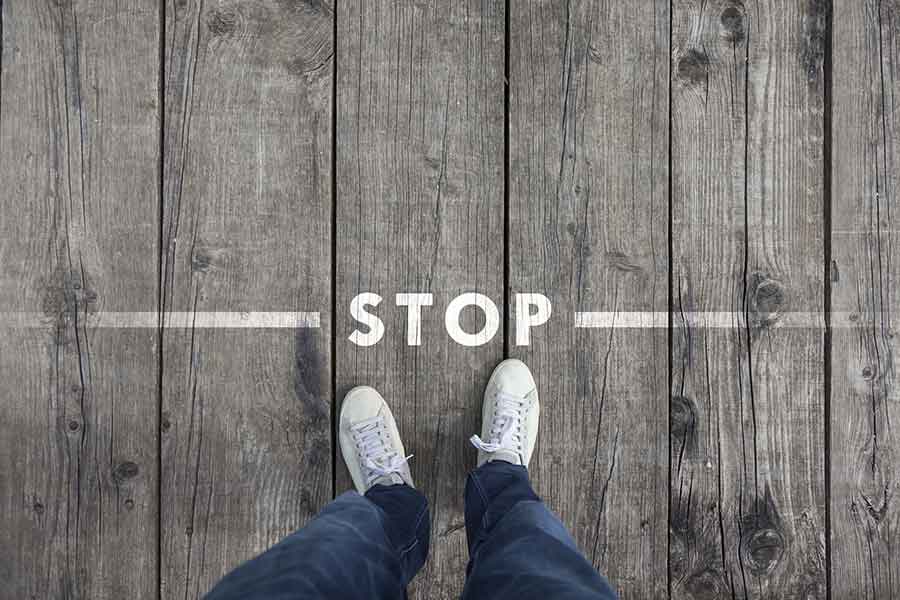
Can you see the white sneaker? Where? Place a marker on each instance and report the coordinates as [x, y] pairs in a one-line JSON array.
[[370, 441], [509, 415]]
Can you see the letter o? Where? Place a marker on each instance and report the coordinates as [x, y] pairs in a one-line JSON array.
[[491, 319]]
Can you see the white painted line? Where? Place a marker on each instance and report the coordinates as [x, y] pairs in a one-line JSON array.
[[172, 320], [724, 320], [622, 320], [241, 320]]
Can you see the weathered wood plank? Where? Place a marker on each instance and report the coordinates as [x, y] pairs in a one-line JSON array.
[[588, 209], [747, 453], [247, 227], [865, 287], [79, 200], [420, 209]]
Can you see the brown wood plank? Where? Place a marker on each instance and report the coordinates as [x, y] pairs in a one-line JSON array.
[[747, 453], [865, 279], [588, 227], [420, 209], [247, 227], [79, 200]]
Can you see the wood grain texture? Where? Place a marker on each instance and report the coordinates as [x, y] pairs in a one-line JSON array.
[[246, 227], [588, 171], [865, 279], [420, 209], [79, 200], [747, 454]]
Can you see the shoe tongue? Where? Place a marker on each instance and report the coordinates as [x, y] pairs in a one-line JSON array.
[[389, 479], [505, 455]]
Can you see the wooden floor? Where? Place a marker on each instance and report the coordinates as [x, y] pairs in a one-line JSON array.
[[719, 179]]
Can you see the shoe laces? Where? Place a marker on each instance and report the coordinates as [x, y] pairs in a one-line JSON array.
[[377, 453], [506, 426]]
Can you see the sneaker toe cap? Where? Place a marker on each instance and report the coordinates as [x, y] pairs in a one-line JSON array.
[[513, 377], [362, 402]]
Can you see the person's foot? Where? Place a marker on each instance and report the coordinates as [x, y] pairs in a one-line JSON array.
[[370, 441], [509, 415]]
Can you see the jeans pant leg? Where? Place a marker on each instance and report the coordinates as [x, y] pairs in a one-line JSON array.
[[409, 524], [356, 548], [518, 549]]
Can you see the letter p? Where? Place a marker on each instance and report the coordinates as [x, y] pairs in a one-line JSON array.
[[525, 319]]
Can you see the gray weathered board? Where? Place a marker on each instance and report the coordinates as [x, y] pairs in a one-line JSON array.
[[747, 515], [588, 214], [246, 442], [79, 199], [649, 156], [419, 170], [865, 275]]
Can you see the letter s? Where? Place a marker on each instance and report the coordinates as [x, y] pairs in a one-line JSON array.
[[359, 313]]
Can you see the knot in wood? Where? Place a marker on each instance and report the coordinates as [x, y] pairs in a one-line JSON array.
[[732, 21], [222, 22], [125, 470], [873, 483], [766, 299], [693, 66], [706, 584], [762, 549], [682, 416], [622, 262]]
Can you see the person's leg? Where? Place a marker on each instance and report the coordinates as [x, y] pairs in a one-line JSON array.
[[358, 547], [366, 544], [408, 524], [518, 549]]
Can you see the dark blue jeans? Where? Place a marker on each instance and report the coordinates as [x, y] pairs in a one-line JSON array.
[[369, 548]]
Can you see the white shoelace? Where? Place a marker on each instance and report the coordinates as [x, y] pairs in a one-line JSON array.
[[376, 450], [506, 426]]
